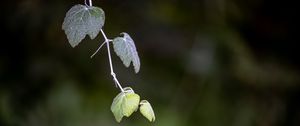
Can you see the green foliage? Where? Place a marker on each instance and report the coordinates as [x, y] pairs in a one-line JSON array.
[[126, 50], [125, 103], [116, 106], [147, 110], [83, 20], [131, 102]]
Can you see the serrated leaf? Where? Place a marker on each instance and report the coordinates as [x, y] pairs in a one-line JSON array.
[[130, 103], [126, 50], [147, 110], [116, 106], [125, 103], [83, 20]]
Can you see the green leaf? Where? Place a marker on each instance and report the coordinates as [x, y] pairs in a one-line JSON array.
[[83, 20], [130, 103], [116, 106], [125, 103], [126, 50], [147, 110]]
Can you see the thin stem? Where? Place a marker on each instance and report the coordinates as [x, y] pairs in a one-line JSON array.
[[98, 49], [90, 3], [102, 32], [110, 62]]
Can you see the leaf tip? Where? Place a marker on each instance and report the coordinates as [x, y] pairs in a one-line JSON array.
[[137, 69]]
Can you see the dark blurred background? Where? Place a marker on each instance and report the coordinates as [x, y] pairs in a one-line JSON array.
[[203, 63]]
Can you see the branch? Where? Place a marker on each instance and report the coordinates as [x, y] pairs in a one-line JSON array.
[[110, 61], [90, 3], [99, 48]]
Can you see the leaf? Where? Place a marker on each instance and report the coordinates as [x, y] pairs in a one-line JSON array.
[[125, 103], [130, 103], [83, 20], [126, 50], [116, 106], [147, 110]]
